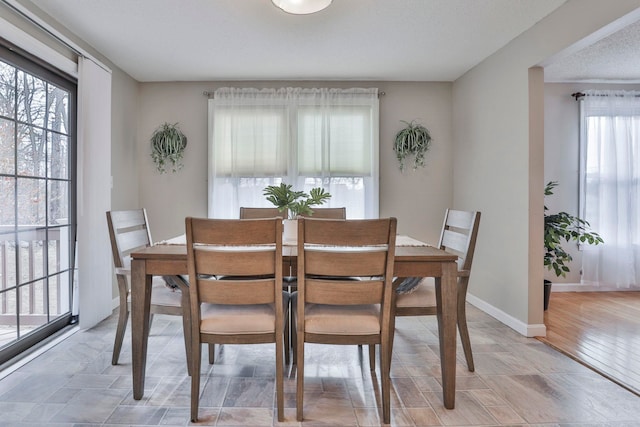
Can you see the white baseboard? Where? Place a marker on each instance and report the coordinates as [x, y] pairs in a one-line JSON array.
[[535, 330], [583, 287], [115, 302]]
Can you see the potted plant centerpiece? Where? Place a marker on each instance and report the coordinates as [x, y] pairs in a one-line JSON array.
[[560, 227], [296, 202], [167, 147]]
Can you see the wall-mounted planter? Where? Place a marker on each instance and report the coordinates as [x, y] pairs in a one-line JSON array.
[[413, 140], [167, 147]]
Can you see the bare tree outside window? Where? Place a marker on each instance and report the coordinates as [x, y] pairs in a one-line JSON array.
[[35, 196]]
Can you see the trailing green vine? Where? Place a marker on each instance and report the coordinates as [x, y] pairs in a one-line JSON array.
[[413, 140], [167, 147]]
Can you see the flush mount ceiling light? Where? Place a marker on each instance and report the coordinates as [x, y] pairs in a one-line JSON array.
[[302, 7]]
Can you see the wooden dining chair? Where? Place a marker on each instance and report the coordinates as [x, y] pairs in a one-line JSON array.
[[235, 276], [458, 236], [257, 213], [334, 311], [129, 231], [326, 213], [329, 213]]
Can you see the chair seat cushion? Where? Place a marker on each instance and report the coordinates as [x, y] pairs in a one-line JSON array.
[[162, 295], [342, 320], [422, 295], [240, 319]]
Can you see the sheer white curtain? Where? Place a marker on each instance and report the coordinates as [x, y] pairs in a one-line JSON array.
[[610, 161], [306, 137]]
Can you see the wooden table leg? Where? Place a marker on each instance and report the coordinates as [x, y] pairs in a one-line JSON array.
[[140, 307], [446, 297]]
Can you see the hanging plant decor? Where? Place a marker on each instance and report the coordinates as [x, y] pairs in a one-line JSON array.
[[413, 140], [167, 147]]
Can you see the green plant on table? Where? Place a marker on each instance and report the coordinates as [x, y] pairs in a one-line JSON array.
[[297, 202]]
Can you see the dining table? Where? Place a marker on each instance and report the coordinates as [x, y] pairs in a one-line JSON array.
[[412, 259]]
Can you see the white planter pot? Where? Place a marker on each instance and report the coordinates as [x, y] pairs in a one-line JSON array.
[[290, 231]]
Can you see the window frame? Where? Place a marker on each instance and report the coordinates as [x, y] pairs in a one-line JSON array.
[[302, 179]]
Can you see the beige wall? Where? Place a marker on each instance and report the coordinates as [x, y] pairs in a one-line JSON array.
[[417, 198], [496, 171], [124, 130]]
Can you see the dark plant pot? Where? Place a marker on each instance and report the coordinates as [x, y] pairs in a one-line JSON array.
[[547, 293]]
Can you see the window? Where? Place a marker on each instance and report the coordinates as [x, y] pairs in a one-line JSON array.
[[306, 137], [610, 186], [37, 113]]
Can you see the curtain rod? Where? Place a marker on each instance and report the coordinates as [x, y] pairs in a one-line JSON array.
[[578, 95], [209, 94]]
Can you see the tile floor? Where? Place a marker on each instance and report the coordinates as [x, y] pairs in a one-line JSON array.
[[518, 382]]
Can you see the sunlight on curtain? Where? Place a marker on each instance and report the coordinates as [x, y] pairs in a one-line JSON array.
[[306, 137], [610, 199]]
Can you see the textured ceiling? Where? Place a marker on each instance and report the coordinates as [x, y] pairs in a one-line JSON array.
[[202, 40], [613, 59]]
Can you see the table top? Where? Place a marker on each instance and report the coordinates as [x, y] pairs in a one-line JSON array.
[[173, 251]]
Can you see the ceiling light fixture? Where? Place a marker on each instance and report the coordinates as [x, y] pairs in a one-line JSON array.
[[302, 7]]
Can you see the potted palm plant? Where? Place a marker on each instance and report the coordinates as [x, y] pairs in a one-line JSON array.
[[560, 228], [297, 202]]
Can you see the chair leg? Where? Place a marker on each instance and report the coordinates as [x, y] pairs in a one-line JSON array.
[[385, 368], [299, 377], [123, 318], [196, 351], [392, 328], [279, 378], [186, 326], [294, 331], [464, 334], [212, 353], [372, 357], [287, 337]]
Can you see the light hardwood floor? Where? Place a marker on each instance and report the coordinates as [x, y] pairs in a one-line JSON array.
[[599, 329], [518, 382]]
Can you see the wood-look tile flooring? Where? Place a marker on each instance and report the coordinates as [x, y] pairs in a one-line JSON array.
[[518, 382], [599, 329]]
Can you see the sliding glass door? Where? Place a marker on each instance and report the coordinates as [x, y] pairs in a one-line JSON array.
[[37, 199]]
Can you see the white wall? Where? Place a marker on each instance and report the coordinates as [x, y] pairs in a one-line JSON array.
[[498, 170], [418, 199], [561, 151]]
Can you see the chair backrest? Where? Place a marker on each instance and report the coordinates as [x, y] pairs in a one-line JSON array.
[[458, 236], [235, 262], [329, 213], [128, 231], [256, 213], [332, 252]]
